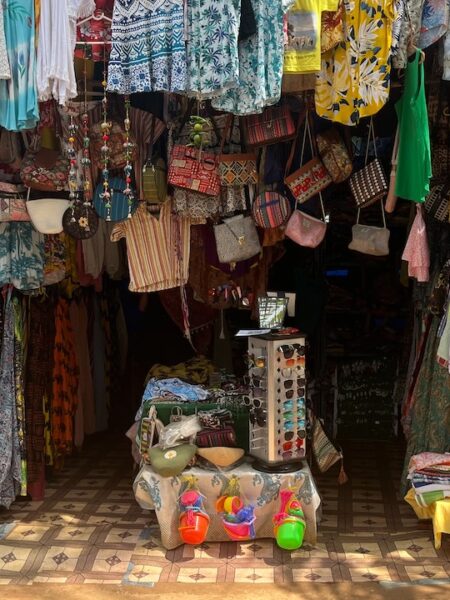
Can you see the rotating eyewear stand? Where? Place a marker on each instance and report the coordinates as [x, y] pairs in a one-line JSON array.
[[277, 374]]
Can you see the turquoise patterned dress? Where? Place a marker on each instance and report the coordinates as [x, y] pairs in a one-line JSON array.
[[212, 47], [260, 62], [22, 256], [18, 96], [148, 52]]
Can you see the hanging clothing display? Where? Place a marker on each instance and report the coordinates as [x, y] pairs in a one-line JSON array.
[[10, 456], [148, 48], [18, 96], [5, 71], [434, 22], [258, 69], [414, 154], [416, 252], [409, 32], [354, 81], [152, 249], [302, 53], [212, 46], [21, 256]]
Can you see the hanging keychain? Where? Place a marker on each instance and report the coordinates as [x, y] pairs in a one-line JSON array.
[[106, 132]]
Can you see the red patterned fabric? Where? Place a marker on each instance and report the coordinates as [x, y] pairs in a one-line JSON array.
[[194, 170]]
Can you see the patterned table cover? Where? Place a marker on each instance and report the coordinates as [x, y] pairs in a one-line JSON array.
[[161, 494]]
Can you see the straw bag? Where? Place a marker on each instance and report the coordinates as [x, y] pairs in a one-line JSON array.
[[305, 230], [236, 239], [312, 177], [370, 183], [368, 239]]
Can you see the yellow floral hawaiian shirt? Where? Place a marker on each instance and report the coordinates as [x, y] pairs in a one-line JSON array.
[[355, 77]]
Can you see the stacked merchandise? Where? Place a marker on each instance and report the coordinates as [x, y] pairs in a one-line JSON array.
[[430, 477]]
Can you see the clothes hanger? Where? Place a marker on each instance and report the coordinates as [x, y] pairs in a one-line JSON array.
[[97, 15]]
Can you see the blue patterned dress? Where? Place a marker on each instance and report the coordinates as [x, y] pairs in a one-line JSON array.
[[18, 96], [260, 62], [212, 48], [22, 256], [148, 51]]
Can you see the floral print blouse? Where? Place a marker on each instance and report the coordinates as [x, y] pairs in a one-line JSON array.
[[355, 78], [212, 46], [260, 62]]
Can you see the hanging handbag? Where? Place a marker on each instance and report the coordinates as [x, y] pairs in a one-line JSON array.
[[437, 202], [368, 239], [12, 204], [236, 239], [270, 210], [274, 125], [195, 170], [369, 184], [154, 175], [305, 230], [236, 169], [116, 146], [312, 177], [335, 155], [80, 220], [45, 170]]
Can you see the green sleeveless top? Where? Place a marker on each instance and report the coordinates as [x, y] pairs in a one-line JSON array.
[[414, 157]]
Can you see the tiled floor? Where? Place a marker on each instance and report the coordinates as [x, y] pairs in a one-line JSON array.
[[90, 530]]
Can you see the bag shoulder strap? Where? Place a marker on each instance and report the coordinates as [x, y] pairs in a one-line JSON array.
[[303, 116], [382, 214]]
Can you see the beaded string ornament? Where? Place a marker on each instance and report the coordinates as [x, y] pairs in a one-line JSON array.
[[106, 132], [128, 147]]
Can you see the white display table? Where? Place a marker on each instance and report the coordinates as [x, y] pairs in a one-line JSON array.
[[161, 494]]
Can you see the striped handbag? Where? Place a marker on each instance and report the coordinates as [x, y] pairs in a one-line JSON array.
[[274, 125], [271, 210]]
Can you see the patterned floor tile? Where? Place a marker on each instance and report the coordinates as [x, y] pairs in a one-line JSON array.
[[257, 549], [118, 535], [70, 507], [12, 558], [259, 575], [74, 534], [200, 575], [369, 521], [360, 551], [361, 574], [112, 561], [112, 507], [430, 571], [142, 575], [27, 533], [410, 550], [319, 551], [312, 575], [60, 558]]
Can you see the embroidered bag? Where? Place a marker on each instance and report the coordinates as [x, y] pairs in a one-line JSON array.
[[238, 169], [236, 239], [305, 230], [325, 453], [271, 210], [312, 177], [437, 202], [274, 125], [334, 155], [80, 220], [369, 184], [12, 204], [45, 170], [368, 239], [195, 170], [116, 146]]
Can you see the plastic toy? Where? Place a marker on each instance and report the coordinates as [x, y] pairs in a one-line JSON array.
[[194, 522], [237, 519], [289, 523]]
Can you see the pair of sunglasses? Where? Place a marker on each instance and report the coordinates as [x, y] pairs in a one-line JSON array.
[[300, 453], [290, 415], [289, 404], [291, 425], [289, 373], [288, 383], [256, 361], [252, 402], [289, 436], [258, 416], [288, 350], [290, 445]]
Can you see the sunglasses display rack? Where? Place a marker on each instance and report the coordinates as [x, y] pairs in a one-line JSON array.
[[277, 401]]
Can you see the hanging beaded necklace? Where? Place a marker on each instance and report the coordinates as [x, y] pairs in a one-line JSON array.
[[106, 131], [128, 147]]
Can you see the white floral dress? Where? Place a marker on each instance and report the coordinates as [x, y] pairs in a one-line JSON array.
[[212, 46], [355, 78], [260, 62]]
